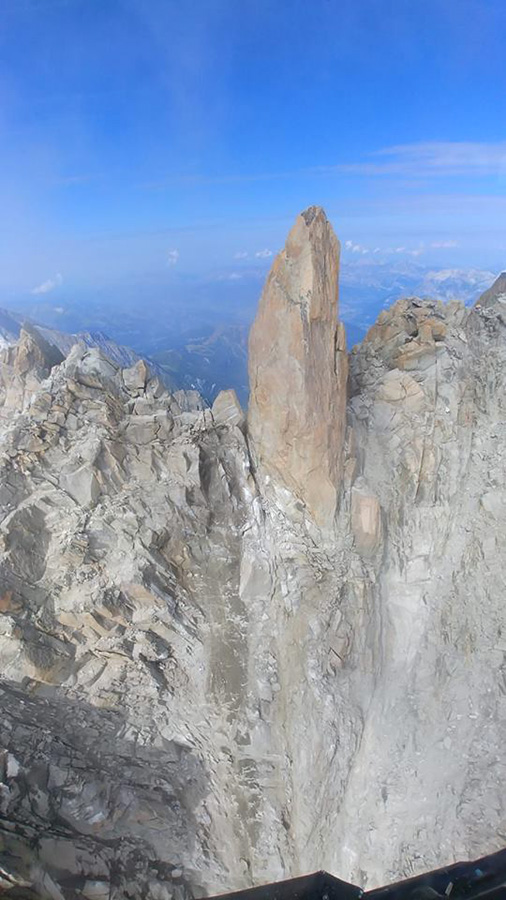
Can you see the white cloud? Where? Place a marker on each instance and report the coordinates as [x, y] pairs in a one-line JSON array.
[[263, 254], [417, 252], [172, 257], [432, 158], [242, 254], [360, 249], [48, 285], [352, 247], [355, 248]]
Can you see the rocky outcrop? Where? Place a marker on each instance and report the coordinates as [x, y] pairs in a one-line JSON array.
[[426, 408], [202, 687], [24, 366], [227, 410], [297, 368], [120, 615], [495, 294]]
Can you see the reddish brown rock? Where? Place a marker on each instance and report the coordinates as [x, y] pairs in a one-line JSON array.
[[298, 368]]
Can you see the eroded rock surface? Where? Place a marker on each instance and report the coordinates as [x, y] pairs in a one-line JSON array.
[[211, 681]]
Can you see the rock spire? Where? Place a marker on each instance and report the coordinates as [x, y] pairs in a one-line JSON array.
[[298, 370]]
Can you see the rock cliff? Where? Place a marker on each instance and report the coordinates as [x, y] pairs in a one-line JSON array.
[[238, 649]]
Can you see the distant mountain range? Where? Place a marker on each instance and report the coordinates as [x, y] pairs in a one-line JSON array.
[[368, 286], [198, 339]]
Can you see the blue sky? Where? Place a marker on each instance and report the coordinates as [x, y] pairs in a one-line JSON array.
[[152, 139]]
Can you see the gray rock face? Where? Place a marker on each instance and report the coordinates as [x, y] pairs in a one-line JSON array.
[[494, 295], [202, 689]]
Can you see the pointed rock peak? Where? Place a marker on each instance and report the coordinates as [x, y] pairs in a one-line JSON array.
[[311, 236], [313, 212], [498, 289], [297, 368], [34, 353], [227, 410], [136, 376]]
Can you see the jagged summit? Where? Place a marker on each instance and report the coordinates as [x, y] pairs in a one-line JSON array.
[[297, 367], [313, 212]]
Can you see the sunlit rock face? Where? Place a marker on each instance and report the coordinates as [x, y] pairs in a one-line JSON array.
[[297, 368], [223, 663]]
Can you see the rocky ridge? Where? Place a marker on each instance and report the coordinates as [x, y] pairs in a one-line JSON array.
[[223, 665], [12, 324]]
